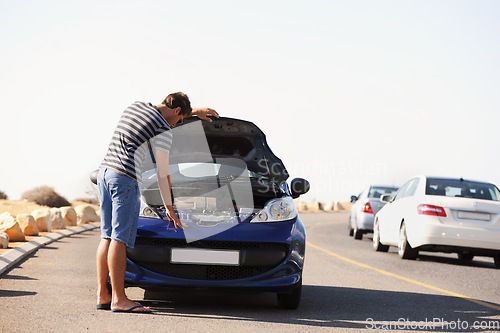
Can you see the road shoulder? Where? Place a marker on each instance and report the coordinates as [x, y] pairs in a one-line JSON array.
[[10, 258]]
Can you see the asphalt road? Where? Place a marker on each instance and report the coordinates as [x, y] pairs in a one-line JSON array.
[[347, 288]]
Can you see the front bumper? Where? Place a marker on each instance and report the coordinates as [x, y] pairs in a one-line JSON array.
[[271, 257]]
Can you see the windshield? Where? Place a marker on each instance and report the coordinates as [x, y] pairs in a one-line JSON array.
[[462, 188], [378, 191]]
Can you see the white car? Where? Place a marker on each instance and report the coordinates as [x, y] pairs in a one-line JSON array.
[[440, 215]]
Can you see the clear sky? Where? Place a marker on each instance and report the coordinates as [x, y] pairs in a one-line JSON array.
[[348, 92]]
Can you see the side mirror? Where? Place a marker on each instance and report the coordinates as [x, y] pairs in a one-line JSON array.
[[386, 198], [93, 176], [299, 186], [353, 198]]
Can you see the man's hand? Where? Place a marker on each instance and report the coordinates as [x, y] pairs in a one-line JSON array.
[[174, 218], [163, 174], [203, 113]]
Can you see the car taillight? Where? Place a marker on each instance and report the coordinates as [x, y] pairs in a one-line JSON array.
[[424, 209], [367, 208]]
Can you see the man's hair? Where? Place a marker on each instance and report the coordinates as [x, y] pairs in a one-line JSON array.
[[181, 100]]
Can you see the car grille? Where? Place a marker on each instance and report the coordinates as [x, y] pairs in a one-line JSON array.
[[207, 272]]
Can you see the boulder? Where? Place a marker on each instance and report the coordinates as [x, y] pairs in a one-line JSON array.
[[345, 205], [301, 205], [314, 206], [4, 240], [69, 215], [28, 224], [330, 206], [42, 219], [10, 226], [56, 219], [86, 214]]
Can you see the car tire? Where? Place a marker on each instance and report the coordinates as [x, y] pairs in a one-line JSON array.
[[465, 256], [405, 251], [291, 300], [497, 261], [349, 227], [358, 234], [377, 246]]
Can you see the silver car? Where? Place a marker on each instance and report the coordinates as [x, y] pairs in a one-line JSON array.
[[364, 207]]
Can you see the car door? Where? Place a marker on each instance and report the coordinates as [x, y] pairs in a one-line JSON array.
[[404, 207], [355, 208], [393, 213]]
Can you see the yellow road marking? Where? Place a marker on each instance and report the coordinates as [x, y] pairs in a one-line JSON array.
[[425, 285]]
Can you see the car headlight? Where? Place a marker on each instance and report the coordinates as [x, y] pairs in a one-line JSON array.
[[281, 209], [147, 211]]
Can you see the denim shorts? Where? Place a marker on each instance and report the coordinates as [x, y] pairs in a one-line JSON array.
[[120, 204]]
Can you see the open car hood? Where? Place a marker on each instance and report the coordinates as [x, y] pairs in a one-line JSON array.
[[226, 138]]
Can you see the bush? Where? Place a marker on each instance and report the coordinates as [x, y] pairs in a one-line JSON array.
[[3, 195], [45, 196]]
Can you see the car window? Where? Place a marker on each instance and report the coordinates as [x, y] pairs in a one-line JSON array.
[[402, 190], [378, 191], [462, 188], [408, 189], [413, 186]]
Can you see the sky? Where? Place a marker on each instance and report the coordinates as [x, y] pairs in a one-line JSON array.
[[349, 93]]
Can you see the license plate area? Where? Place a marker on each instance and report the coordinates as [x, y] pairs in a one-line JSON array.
[[474, 216], [204, 257]]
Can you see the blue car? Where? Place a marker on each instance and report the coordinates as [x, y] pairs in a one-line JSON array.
[[242, 231]]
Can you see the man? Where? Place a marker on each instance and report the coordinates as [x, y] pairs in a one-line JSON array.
[[119, 188]]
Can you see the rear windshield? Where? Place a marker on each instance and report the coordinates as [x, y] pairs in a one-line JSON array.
[[462, 188], [377, 191]]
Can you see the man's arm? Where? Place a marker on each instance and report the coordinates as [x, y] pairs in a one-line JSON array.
[[203, 113], [163, 174]]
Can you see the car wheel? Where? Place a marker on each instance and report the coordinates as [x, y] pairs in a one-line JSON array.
[[465, 256], [497, 262], [349, 226], [405, 251], [358, 234], [377, 246], [291, 300]]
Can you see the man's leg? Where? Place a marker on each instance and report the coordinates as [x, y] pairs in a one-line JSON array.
[[117, 261], [103, 295]]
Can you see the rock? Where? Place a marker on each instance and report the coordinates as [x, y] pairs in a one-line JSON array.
[[346, 205], [301, 205], [10, 226], [314, 206], [4, 240], [86, 214], [42, 219], [69, 215], [56, 219], [28, 224], [330, 206]]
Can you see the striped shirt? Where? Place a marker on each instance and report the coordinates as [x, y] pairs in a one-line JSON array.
[[139, 123]]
